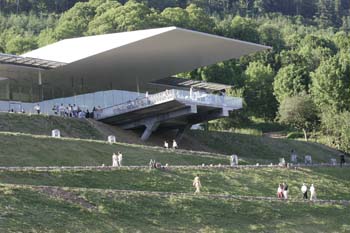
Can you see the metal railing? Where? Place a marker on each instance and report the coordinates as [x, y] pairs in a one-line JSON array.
[[190, 97]]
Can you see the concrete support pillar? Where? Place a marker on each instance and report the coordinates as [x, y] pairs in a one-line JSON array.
[[150, 127], [181, 132], [226, 112]]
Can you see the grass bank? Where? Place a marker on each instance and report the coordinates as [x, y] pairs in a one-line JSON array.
[[331, 183]]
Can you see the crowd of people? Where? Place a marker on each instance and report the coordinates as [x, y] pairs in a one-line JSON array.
[[72, 110], [282, 191]]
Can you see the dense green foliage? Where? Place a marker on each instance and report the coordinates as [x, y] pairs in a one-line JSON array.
[[309, 38]]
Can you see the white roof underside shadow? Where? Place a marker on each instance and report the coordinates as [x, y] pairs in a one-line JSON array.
[[123, 59]]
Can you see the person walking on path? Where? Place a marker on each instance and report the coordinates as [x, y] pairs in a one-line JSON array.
[[280, 191], [304, 191], [166, 145], [120, 159], [114, 160], [174, 144], [285, 190], [197, 184], [312, 193]]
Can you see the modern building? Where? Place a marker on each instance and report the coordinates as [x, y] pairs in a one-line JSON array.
[[130, 75]]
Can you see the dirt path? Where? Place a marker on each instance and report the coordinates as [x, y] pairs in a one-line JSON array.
[[63, 194], [67, 194], [278, 135], [206, 167]]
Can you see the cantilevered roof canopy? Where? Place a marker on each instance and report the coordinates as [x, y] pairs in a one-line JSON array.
[[130, 60]]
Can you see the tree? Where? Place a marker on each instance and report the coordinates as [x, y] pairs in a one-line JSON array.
[[74, 22], [331, 83], [270, 35], [19, 45], [199, 19], [299, 112], [291, 80], [176, 17], [258, 92], [244, 29], [336, 125]]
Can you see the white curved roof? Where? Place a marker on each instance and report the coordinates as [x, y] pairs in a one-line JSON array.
[[130, 60], [71, 50]]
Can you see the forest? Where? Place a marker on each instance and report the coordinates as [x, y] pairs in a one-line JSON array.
[[303, 81]]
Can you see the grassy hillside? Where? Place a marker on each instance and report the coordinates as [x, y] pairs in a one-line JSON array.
[[21, 210], [35, 209], [262, 149], [28, 150], [331, 183], [43, 125]]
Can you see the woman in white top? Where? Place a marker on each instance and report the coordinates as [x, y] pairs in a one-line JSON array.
[[197, 184], [114, 160], [120, 159], [312, 192]]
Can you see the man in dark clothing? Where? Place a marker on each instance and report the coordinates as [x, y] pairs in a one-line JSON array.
[[342, 160]]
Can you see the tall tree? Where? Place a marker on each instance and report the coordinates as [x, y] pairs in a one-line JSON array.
[[331, 83], [299, 112], [258, 92]]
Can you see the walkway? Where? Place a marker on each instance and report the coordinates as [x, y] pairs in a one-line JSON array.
[[206, 167], [57, 189]]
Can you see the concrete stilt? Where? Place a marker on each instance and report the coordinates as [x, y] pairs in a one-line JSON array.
[[150, 127], [181, 132]]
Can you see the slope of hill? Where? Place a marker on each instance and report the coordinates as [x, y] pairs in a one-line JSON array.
[[30, 150], [34, 210], [143, 200], [331, 183], [43, 125], [262, 149]]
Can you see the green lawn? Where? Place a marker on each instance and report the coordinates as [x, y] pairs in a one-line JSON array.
[[43, 125], [262, 149], [25, 210], [27, 150], [331, 183]]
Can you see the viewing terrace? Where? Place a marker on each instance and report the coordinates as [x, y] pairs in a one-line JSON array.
[[169, 109]]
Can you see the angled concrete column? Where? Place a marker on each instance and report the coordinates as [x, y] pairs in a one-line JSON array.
[[150, 127], [181, 132]]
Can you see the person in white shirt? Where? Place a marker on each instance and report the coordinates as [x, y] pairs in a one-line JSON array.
[[75, 110], [61, 109], [285, 190], [37, 108], [114, 160], [166, 145], [304, 191], [197, 184], [120, 159], [174, 144], [233, 160], [312, 193]]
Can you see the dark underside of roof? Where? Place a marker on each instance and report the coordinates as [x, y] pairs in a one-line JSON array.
[[9, 59], [188, 83]]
